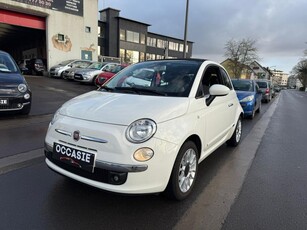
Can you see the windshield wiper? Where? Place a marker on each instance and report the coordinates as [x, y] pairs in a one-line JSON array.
[[141, 90]]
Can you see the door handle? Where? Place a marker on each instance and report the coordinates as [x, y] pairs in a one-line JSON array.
[[231, 104]]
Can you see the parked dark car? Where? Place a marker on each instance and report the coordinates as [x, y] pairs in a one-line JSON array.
[[249, 95], [266, 89], [36, 66], [15, 94], [22, 64]]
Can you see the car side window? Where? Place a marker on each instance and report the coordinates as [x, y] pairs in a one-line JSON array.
[[226, 79], [210, 77]]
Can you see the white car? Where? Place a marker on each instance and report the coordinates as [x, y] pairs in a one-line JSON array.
[[90, 74], [150, 138]]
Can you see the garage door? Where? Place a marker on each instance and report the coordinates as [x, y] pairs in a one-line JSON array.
[[19, 19]]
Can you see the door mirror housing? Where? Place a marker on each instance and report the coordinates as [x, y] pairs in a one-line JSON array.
[[217, 90]]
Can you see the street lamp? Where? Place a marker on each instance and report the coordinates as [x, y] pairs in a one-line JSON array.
[[185, 29]]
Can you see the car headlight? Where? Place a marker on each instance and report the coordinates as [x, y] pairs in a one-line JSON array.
[[141, 130], [55, 117], [247, 99], [22, 88]]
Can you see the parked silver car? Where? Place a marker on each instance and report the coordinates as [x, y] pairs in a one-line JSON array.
[[69, 73], [57, 71], [266, 88], [90, 74]]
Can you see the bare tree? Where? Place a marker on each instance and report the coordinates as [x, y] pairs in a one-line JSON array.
[[241, 54], [300, 70]]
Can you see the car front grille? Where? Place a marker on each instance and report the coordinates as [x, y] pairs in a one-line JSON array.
[[78, 77], [13, 104], [100, 175]]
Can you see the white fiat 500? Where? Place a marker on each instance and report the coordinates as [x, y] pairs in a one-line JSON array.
[[147, 129]]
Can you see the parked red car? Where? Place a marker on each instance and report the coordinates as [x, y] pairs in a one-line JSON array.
[[105, 76]]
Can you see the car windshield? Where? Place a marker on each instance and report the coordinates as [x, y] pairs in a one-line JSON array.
[[262, 84], [96, 65], [7, 64], [117, 68], [66, 62], [242, 85], [166, 77]]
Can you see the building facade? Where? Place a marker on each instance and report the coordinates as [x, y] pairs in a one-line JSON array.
[[131, 42], [56, 30]]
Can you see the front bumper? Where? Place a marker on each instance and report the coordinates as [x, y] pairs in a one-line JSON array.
[[115, 169], [248, 107], [15, 103]]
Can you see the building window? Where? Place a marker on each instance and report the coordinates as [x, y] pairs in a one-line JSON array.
[[61, 37], [173, 46], [133, 37], [150, 57], [151, 41], [142, 56], [122, 35], [87, 29], [159, 57], [132, 56], [99, 31], [98, 50], [181, 47], [142, 41], [161, 44], [122, 55]]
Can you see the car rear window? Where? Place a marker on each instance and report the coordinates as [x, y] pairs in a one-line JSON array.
[[262, 84]]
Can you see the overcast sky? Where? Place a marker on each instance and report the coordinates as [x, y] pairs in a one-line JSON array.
[[278, 26]]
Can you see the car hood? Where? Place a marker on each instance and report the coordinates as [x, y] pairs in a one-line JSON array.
[[243, 94], [123, 109], [11, 79], [85, 71], [59, 66]]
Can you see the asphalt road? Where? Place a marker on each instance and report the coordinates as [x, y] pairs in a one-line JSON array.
[[274, 192], [34, 197]]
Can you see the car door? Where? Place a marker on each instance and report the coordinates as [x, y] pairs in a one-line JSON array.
[[219, 114], [258, 94]]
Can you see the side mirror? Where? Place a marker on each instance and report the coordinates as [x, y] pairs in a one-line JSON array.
[[217, 91]]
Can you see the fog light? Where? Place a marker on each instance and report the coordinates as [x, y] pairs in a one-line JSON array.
[[143, 154], [115, 178], [26, 96], [19, 105]]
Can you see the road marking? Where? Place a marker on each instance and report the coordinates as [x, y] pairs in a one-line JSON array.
[[212, 206], [26, 121], [21, 160]]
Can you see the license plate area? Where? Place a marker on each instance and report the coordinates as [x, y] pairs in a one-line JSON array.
[[74, 157], [4, 101]]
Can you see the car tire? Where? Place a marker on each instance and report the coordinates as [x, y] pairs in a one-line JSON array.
[[184, 172], [94, 80], [237, 134]]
